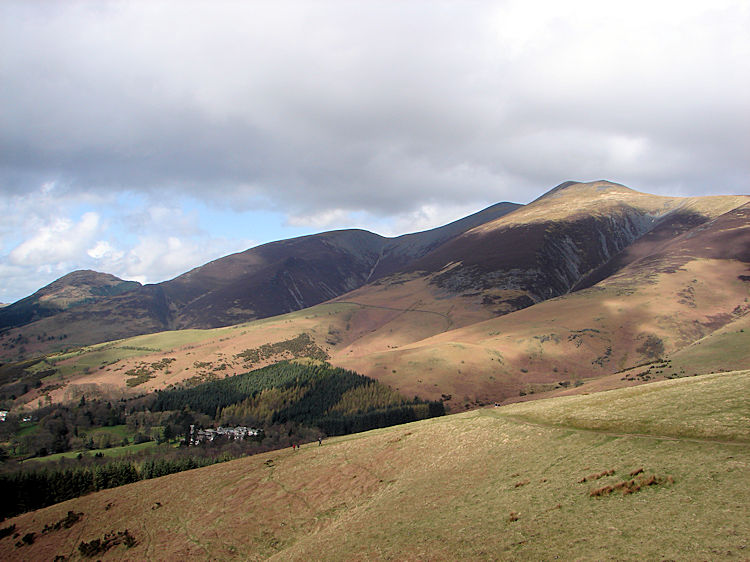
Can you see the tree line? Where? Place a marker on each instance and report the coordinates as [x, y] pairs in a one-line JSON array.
[[30, 490]]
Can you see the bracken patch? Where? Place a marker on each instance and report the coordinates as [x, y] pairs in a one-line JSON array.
[[631, 486], [597, 476], [99, 546]]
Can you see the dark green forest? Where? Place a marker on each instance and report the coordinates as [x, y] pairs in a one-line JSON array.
[[334, 400], [29, 490]]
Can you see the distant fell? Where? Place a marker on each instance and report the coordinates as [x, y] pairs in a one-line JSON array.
[[267, 280], [74, 289], [497, 261]]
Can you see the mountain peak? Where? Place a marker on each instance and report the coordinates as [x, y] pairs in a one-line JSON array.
[[75, 288], [571, 186]]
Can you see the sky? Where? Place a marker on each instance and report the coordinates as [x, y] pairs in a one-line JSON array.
[[145, 138]]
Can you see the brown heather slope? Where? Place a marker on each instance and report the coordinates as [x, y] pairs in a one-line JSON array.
[[481, 485]]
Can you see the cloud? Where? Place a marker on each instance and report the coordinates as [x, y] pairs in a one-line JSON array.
[[337, 114], [327, 219], [159, 258], [62, 240], [104, 250], [373, 106], [429, 216]]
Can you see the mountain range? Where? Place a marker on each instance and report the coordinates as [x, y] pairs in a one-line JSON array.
[[590, 282], [592, 287], [264, 281]]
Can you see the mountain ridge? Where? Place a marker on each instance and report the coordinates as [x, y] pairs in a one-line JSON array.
[[504, 258], [270, 279]]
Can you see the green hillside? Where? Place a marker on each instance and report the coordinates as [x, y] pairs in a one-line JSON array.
[[483, 485]]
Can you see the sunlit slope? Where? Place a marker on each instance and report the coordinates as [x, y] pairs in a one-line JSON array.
[[676, 285], [657, 305], [707, 407], [721, 350], [478, 485]]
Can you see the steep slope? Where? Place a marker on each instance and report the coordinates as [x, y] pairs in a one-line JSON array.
[[672, 286], [668, 298], [482, 485], [265, 281], [74, 289]]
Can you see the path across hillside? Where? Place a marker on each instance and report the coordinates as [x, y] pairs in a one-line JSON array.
[[520, 420]]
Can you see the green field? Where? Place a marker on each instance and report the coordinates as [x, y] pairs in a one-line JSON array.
[[119, 431], [111, 452]]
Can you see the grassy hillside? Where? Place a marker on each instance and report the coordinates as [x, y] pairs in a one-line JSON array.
[[717, 404], [694, 314], [478, 485], [670, 283]]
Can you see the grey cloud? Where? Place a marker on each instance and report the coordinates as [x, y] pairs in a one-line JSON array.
[[380, 107]]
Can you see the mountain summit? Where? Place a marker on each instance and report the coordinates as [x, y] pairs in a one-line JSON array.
[[74, 289]]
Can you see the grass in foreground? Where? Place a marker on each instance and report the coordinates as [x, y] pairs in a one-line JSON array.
[[479, 485], [711, 406]]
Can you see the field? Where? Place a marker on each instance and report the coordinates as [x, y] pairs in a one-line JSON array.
[[654, 472], [718, 409], [110, 452]]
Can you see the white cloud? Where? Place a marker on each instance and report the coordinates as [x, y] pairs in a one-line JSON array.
[[326, 219], [45, 235], [60, 241], [156, 259], [427, 217], [104, 249]]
